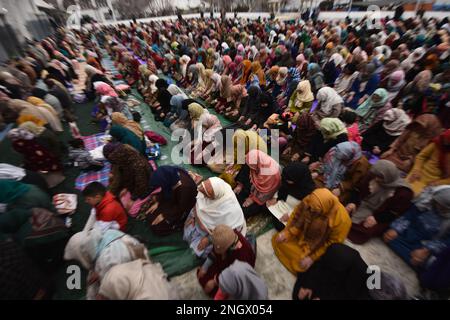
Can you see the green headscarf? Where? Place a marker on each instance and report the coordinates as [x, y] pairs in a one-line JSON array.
[[367, 110], [11, 190], [331, 128], [126, 136]]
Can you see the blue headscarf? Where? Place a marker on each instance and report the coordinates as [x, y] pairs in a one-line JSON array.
[[165, 177]]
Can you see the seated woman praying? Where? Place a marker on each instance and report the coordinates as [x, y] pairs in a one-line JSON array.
[[257, 182], [341, 274], [136, 280], [241, 282], [296, 184], [379, 137], [423, 232], [99, 249], [432, 165], [228, 246], [216, 204], [343, 168], [317, 222], [381, 197], [173, 197]]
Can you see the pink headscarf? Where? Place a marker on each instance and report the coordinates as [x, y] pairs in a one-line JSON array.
[[104, 89], [264, 171], [226, 60], [238, 59]]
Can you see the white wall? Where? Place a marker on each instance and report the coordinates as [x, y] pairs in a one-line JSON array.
[[340, 15], [250, 15]]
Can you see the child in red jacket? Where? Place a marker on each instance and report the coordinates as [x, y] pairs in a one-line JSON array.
[[106, 205]]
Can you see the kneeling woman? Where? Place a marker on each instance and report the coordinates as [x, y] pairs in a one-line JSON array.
[[216, 204], [319, 221], [384, 196], [174, 195], [257, 182], [296, 184], [424, 230], [228, 246]]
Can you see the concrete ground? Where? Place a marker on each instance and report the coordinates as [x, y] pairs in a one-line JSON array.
[[280, 281]]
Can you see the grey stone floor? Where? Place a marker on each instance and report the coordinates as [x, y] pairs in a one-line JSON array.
[[280, 281]]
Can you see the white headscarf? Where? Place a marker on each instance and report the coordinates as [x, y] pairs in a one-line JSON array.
[[223, 209], [152, 79], [337, 59], [137, 280], [11, 172], [327, 98], [175, 90]]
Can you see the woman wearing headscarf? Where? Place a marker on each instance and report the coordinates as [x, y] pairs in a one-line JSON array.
[[99, 249], [21, 278], [280, 86], [126, 136], [332, 131], [179, 119], [344, 166], [382, 196], [241, 282], [236, 101], [315, 77], [163, 97], [257, 75], [93, 75], [302, 65], [344, 82], [319, 221], [120, 119], [47, 111], [213, 87], [414, 138], [242, 141], [45, 138], [125, 177], [151, 93], [330, 104], [136, 280], [395, 83], [432, 166], [21, 195], [304, 131], [173, 197], [364, 85], [59, 91], [332, 68], [296, 184], [246, 66], [341, 274], [257, 181], [49, 99], [302, 98], [379, 137], [36, 157], [392, 66], [228, 246], [192, 77], [104, 89], [416, 94], [251, 108], [216, 204], [205, 131], [373, 109], [286, 60], [424, 230]]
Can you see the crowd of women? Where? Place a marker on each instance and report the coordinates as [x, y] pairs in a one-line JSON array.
[[363, 131]]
